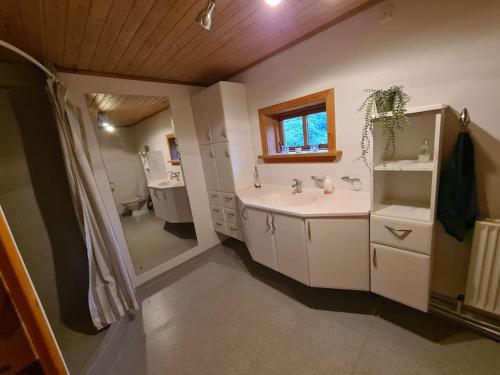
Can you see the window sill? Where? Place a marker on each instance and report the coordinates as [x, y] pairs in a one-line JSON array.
[[303, 157]]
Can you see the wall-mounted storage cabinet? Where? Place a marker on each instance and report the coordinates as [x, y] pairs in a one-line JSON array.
[[403, 209], [223, 131]]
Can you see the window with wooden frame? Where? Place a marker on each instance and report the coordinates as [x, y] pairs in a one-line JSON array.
[[172, 147], [300, 130]]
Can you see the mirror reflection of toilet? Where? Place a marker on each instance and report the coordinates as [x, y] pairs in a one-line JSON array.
[[137, 205]]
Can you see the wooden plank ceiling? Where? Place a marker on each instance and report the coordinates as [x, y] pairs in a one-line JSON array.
[[125, 110], [159, 39]]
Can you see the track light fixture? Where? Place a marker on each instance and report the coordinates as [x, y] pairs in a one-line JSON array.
[[204, 18]]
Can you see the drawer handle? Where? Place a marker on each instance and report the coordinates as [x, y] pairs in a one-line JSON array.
[[243, 213], [213, 195], [272, 223], [216, 210], [227, 199], [374, 258], [233, 229], [399, 233], [230, 214], [267, 223]]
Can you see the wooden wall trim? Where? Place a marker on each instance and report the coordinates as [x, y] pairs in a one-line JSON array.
[[27, 303]]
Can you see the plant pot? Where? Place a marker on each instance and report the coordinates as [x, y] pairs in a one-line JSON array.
[[384, 104]]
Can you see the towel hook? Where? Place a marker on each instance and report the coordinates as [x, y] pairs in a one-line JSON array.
[[465, 119]]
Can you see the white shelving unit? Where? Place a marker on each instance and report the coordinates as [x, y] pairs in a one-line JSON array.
[[404, 195]]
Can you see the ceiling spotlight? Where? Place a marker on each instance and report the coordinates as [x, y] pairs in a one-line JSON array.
[[273, 3], [103, 122], [204, 18]]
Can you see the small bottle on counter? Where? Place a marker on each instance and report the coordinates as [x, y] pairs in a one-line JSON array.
[[327, 185], [256, 179]]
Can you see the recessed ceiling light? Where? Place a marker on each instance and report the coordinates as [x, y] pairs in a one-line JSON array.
[[273, 3]]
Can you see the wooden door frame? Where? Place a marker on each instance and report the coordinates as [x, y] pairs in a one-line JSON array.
[[27, 303]]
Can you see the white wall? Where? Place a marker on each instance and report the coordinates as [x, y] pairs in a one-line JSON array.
[[152, 131], [440, 51], [123, 164], [182, 116]]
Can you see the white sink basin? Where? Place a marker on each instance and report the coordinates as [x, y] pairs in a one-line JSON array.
[[298, 199]]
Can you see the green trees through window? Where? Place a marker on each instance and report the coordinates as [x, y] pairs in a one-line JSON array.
[[315, 130]]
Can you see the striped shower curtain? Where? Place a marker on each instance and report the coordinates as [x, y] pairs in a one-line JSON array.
[[111, 292]]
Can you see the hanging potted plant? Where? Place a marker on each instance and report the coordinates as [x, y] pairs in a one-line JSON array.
[[388, 106]]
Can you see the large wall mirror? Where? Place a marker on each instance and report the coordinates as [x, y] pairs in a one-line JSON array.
[[143, 161]]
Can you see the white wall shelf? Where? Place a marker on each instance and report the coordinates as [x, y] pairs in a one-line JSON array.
[[417, 213], [406, 165], [403, 207]]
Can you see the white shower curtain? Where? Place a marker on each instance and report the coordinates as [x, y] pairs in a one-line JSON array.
[[111, 292]]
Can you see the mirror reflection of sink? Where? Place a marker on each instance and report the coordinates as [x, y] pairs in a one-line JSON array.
[[289, 198]]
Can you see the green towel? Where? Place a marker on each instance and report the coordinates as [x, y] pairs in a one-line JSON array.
[[457, 205]]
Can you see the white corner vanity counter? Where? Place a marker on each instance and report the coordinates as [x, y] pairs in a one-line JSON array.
[[310, 203], [319, 240], [170, 200]]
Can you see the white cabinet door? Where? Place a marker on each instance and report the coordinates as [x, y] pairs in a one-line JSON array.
[[261, 237], [201, 118], [338, 253], [209, 167], [215, 112], [400, 275], [245, 226], [224, 168], [290, 244]]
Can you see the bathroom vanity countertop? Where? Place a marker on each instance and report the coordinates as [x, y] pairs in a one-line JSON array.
[[165, 184], [310, 203]]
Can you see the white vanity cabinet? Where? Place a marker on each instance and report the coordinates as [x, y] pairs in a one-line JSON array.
[[290, 246], [337, 250], [400, 275], [404, 195], [223, 132], [259, 232]]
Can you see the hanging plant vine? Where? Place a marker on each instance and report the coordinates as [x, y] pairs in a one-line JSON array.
[[388, 106]]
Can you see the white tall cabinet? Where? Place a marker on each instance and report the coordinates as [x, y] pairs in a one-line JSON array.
[[223, 132], [404, 193]]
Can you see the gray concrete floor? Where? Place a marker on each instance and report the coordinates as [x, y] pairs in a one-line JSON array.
[[221, 313], [151, 241]]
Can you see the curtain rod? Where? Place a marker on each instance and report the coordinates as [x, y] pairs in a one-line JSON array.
[[27, 57]]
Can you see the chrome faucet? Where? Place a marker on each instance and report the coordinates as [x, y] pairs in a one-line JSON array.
[[297, 186], [175, 175]]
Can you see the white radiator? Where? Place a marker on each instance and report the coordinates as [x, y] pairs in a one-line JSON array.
[[483, 279]]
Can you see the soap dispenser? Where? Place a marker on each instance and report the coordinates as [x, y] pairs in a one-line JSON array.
[[327, 185]]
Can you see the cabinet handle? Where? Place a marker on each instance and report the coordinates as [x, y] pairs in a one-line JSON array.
[[399, 233], [209, 138], [210, 155], [309, 230], [218, 224], [233, 228], [223, 133], [243, 213], [226, 151], [216, 210], [227, 199], [213, 195], [374, 257], [267, 223], [272, 223], [230, 214]]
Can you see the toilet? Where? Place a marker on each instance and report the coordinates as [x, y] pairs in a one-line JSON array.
[[137, 205]]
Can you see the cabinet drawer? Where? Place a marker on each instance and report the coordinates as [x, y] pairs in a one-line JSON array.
[[400, 275], [217, 212], [231, 216], [234, 231], [229, 201], [215, 198], [403, 234], [220, 226]]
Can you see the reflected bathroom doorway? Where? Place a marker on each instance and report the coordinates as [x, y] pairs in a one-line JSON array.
[[143, 162]]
